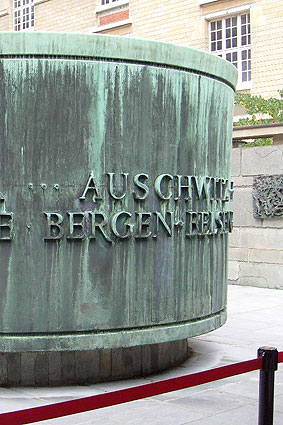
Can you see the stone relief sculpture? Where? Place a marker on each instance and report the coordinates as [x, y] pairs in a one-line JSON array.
[[268, 196]]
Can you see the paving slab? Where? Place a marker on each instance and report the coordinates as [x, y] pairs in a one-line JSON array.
[[254, 320]]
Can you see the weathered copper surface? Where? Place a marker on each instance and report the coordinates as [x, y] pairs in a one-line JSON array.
[[114, 179]]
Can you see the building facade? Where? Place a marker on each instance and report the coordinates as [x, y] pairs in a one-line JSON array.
[[248, 33]]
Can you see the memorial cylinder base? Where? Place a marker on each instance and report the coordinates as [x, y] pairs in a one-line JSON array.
[[115, 157], [53, 368]]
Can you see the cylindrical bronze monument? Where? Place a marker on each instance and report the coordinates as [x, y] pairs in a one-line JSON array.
[[114, 197]]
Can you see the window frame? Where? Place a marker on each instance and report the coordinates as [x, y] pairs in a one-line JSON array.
[[202, 2], [112, 4], [22, 16], [232, 45]]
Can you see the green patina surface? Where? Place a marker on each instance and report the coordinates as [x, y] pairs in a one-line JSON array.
[[71, 105]]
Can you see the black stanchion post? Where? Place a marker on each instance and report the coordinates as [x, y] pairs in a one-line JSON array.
[[266, 384]]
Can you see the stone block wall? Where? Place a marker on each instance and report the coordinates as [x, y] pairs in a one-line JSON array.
[[64, 15], [256, 245]]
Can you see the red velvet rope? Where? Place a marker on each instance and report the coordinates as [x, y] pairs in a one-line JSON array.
[[129, 394]]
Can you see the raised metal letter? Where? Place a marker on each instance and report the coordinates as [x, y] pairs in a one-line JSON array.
[[91, 185], [74, 225], [54, 229], [99, 224], [111, 185], [157, 186], [142, 186], [114, 223], [6, 226], [143, 224]]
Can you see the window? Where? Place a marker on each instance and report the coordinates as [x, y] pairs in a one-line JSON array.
[[23, 15], [230, 38], [110, 2], [105, 5]]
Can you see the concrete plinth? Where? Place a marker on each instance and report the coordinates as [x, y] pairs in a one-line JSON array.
[[88, 367]]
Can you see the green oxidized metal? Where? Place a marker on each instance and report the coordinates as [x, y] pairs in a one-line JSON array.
[[114, 179]]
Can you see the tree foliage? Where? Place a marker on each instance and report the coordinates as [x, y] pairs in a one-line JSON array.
[[260, 111], [255, 105]]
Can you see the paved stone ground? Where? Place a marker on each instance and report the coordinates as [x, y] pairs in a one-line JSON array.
[[254, 320]]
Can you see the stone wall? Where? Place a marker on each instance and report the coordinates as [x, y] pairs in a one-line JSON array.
[[256, 245]]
